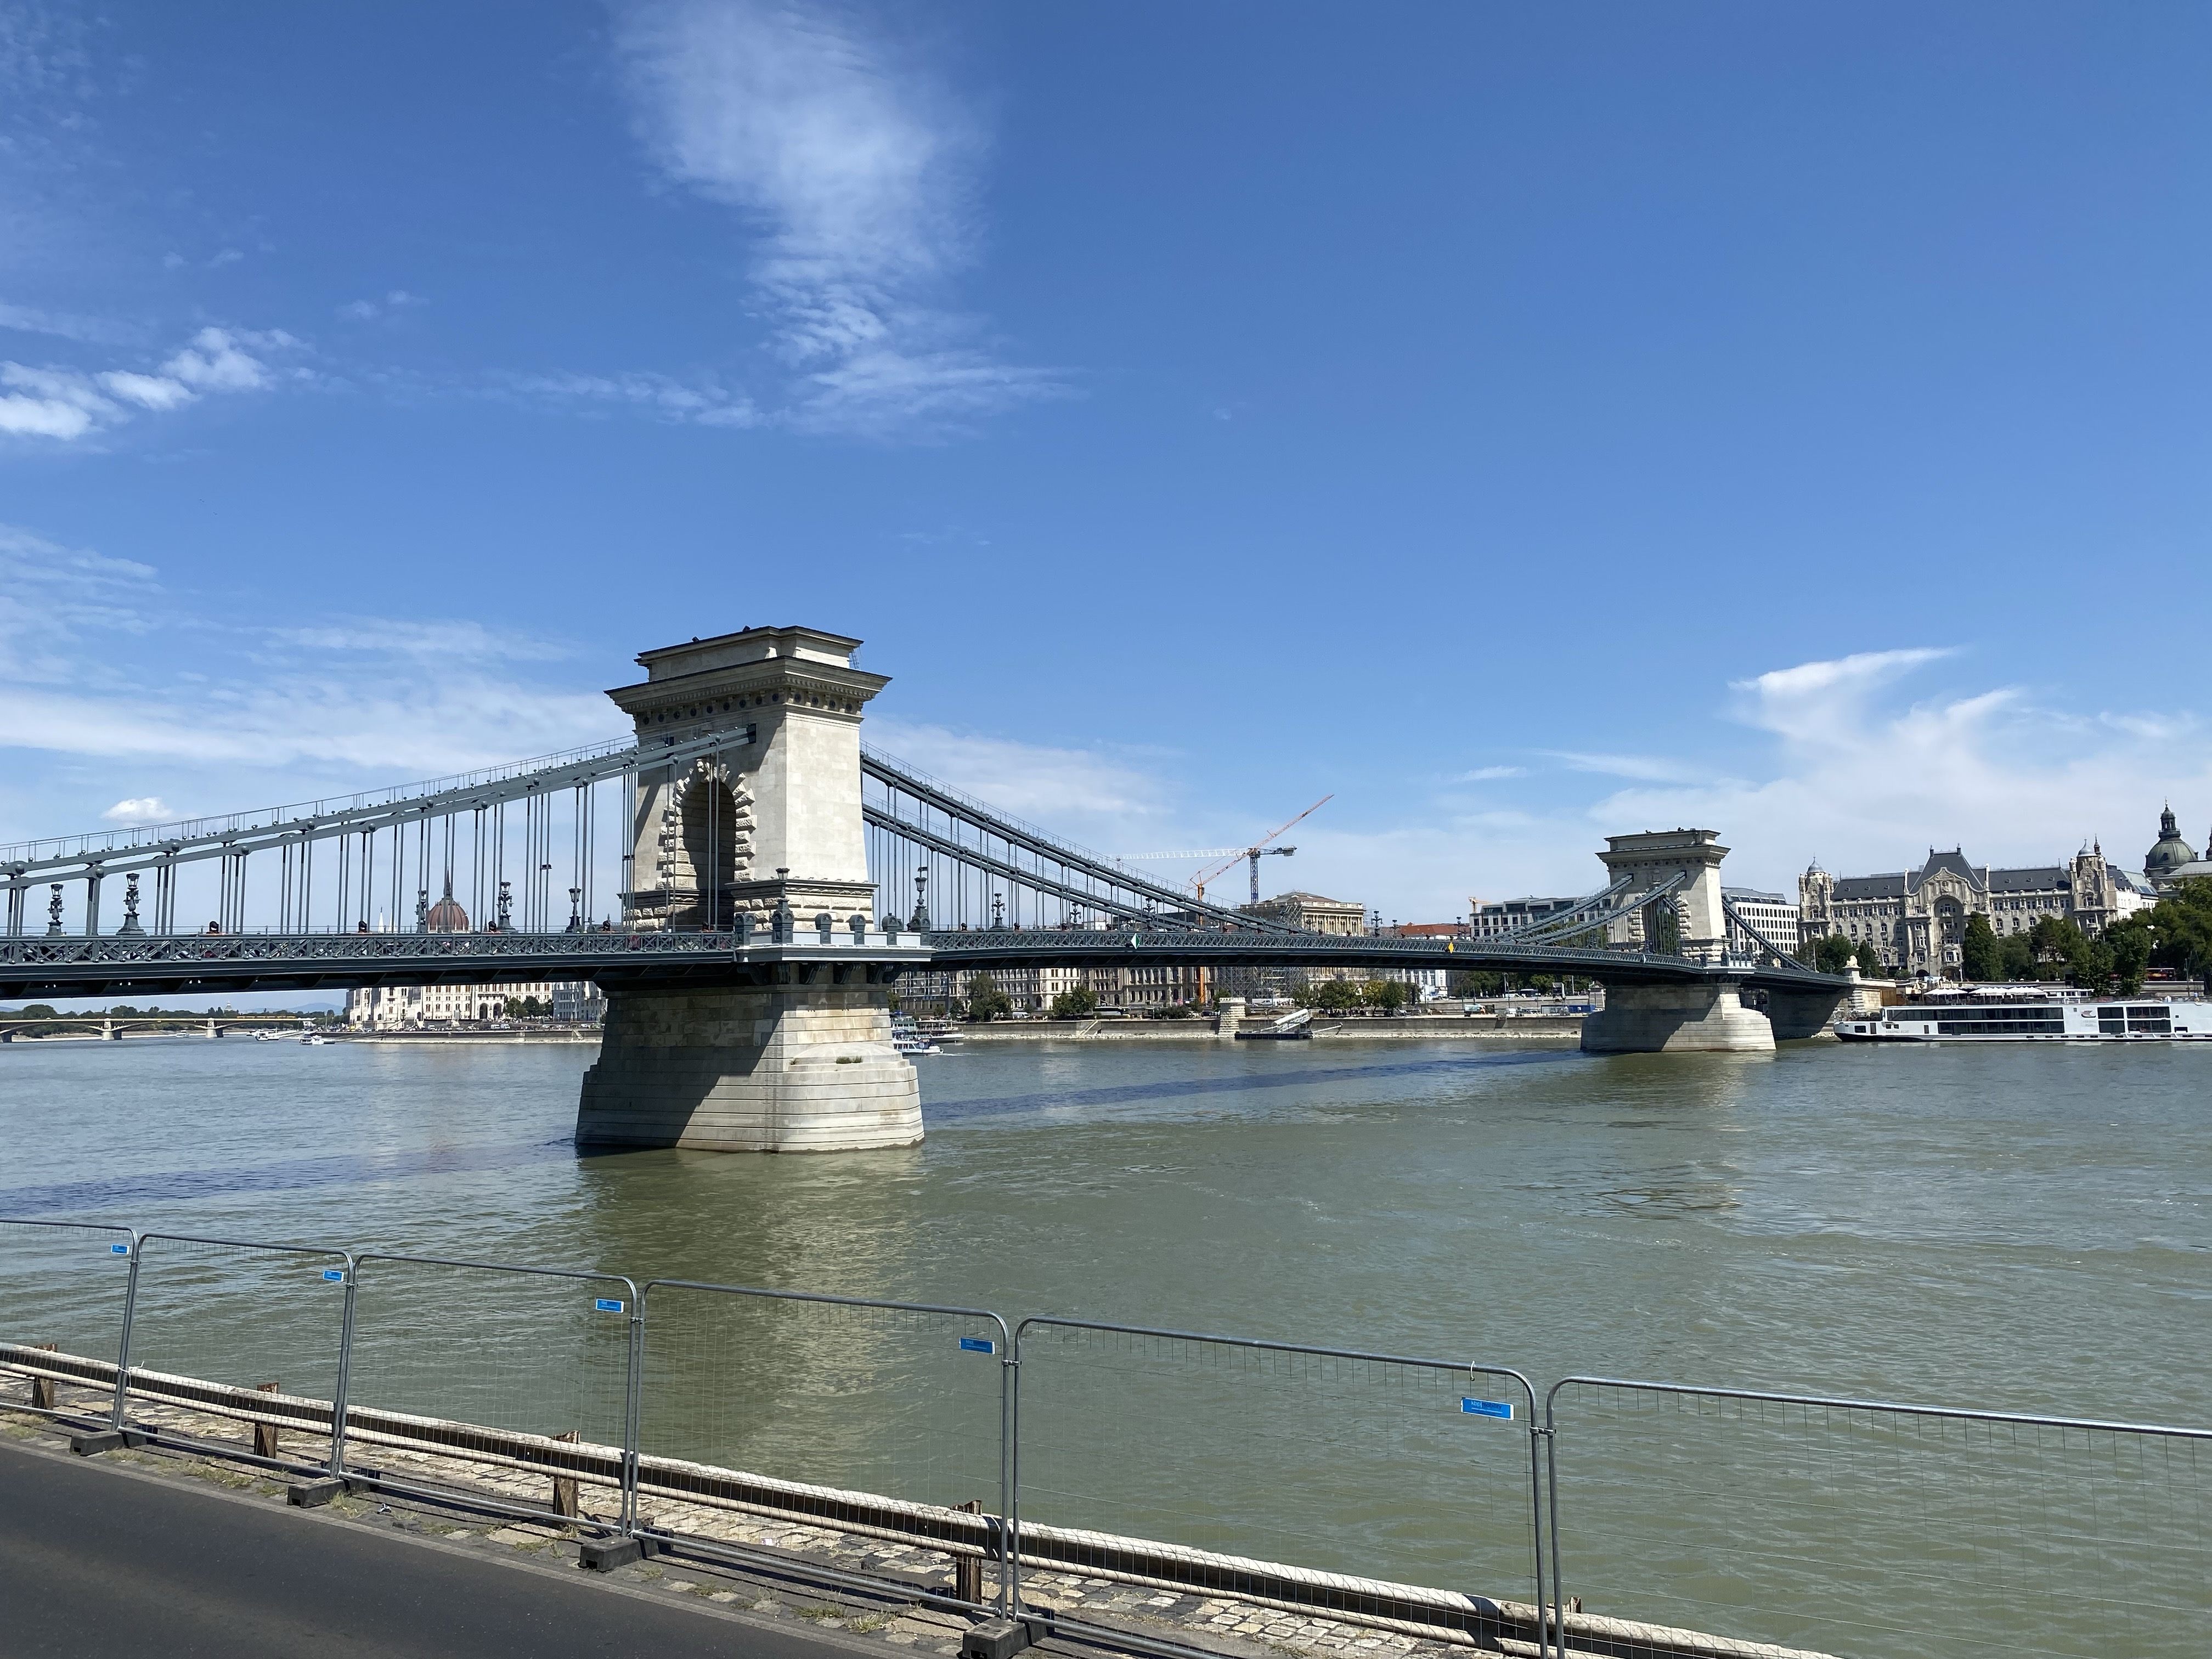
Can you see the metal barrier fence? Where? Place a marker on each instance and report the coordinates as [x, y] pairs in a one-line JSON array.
[[1403, 1493], [1397, 1488], [1856, 1527], [886, 1419], [66, 1286], [547, 1358], [246, 1317]]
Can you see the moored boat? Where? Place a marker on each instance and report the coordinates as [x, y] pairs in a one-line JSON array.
[[2030, 1013]]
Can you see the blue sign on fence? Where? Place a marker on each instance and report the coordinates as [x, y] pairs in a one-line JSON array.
[[333, 1275], [118, 1250], [978, 1345], [1487, 1407], [608, 1304]]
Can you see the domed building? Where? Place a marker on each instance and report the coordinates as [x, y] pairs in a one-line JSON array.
[[446, 915], [2170, 854]]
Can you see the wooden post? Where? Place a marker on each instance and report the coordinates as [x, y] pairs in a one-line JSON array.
[[264, 1434], [566, 1500], [46, 1390], [968, 1569]]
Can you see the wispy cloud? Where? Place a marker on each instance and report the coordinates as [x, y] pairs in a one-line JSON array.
[[1650, 767], [365, 698], [856, 166], [67, 403], [1075, 791], [703, 402], [391, 304], [66, 326], [51, 596], [1490, 774]]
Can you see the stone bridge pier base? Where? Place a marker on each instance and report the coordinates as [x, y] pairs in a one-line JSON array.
[[774, 1068], [1649, 1019], [1796, 1015]]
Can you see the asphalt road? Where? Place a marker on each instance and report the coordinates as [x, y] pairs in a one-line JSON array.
[[95, 1562]]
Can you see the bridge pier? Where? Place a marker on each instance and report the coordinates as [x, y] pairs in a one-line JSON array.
[[787, 1068], [1674, 1018], [1796, 1015]]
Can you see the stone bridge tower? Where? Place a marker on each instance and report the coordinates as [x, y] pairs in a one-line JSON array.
[[791, 1051], [1688, 922]]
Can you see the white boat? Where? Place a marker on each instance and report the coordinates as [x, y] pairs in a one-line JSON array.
[[910, 1045], [2020, 1013], [313, 1039], [268, 1037]]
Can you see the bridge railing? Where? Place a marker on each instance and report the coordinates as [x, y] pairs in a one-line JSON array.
[[912, 1444]]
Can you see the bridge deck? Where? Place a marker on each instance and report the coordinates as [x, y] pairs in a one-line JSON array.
[[193, 963]]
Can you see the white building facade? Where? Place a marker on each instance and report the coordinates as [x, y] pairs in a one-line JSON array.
[[418, 1007]]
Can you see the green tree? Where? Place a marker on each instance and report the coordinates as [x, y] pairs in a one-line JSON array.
[[1079, 1004], [1833, 955], [1979, 956], [2131, 942], [1463, 983], [2016, 959], [1869, 959], [2181, 922], [986, 1001], [1388, 995], [1336, 996]]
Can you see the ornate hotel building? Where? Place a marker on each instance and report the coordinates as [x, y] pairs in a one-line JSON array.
[[1918, 918]]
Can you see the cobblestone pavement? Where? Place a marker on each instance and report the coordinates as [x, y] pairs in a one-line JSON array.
[[898, 1614]]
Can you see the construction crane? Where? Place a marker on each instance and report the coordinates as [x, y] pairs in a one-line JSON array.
[[1253, 852], [1258, 850]]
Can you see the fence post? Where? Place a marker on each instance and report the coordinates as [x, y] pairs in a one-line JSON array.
[[1009, 1467], [264, 1434], [566, 1502], [968, 1569], [1551, 1507], [46, 1391], [345, 1377], [123, 1349], [633, 1386]]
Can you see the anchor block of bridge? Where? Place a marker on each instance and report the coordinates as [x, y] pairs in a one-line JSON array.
[[764, 839]]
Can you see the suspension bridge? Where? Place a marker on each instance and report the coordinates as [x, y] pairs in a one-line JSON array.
[[733, 920]]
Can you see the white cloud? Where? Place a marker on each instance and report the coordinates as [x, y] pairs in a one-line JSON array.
[[365, 698], [857, 167], [67, 403], [1070, 792], [96, 331], [1650, 767], [368, 311], [50, 597], [1864, 783], [145, 809], [1491, 774], [701, 403]]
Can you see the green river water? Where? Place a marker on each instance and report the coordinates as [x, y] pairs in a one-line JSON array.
[[2010, 1227]]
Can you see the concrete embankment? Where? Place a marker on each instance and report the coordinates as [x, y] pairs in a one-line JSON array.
[[1433, 1027]]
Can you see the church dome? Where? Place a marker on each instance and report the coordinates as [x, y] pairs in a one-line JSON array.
[[2172, 852]]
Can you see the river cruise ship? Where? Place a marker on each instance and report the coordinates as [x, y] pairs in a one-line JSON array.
[[2029, 1014]]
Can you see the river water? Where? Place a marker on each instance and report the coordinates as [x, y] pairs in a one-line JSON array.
[[2014, 1228]]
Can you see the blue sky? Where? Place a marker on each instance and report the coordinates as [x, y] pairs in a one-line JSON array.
[[1523, 423]]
